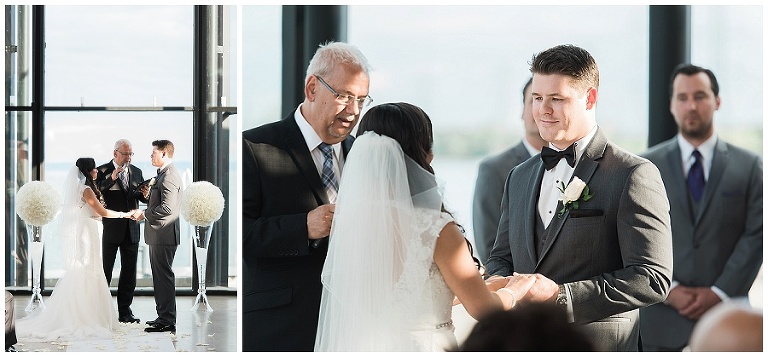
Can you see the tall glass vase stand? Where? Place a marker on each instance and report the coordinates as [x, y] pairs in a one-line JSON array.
[[36, 256], [201, 236]]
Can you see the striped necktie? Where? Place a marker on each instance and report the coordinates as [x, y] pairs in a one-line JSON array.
[[124, 178], [328, 176]]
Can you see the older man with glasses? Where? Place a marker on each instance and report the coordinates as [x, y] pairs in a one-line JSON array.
[[291, 172], [118, 181]]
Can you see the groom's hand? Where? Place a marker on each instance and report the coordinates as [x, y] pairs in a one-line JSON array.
[[543, 290], [319, 221], [137, 215]]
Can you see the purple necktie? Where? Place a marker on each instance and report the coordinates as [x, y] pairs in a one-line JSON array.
[[696, 177]]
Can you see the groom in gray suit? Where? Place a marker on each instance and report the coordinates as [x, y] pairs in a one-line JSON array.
[[161, 233], [717, 223], [604, 250]]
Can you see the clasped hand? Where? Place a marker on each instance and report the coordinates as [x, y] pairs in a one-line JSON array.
[[527, 287], [136, 214]]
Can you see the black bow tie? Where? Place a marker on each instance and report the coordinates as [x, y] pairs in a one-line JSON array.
[[551, 157]]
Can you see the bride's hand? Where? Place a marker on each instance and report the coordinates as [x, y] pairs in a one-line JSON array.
[[520, 284], [496, 282]]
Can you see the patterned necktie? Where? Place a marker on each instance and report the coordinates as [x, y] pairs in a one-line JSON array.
[[328, 176], [696, 177], [124, 178], [551, 157]]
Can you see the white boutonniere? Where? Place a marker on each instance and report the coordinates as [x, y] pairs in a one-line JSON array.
[[151, 182], [570, 195]]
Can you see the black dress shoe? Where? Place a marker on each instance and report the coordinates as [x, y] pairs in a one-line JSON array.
[[161, 328], [152, 322], [129, 319]]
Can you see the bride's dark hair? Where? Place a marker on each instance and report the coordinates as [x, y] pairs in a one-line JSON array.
[[411, 127], [86, 165]]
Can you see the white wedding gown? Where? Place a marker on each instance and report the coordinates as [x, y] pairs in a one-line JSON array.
[[382, 290], [80, 306]]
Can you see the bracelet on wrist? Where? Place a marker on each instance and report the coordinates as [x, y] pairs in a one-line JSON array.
[[511, 293]]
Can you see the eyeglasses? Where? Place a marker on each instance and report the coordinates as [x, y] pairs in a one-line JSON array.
[[346, 99], [125, 153]]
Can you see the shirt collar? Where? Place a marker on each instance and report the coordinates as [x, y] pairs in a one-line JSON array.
[[168, 162], [532, 151], [309, 134], [707, 148]]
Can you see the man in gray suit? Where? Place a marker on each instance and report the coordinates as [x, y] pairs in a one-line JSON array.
[[491, 175], [717, 224], [604, 250], [161, 233]]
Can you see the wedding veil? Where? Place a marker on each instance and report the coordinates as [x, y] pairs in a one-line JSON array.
[[373, 250], [72, 222]]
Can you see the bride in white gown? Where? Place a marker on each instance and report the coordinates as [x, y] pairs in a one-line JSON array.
[[396, 258], [80, 305]]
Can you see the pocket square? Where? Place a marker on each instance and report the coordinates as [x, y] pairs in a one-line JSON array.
[[577, 213], [734, 193]]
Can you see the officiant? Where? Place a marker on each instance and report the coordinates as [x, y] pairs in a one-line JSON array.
[[118, 181], [291, 172]]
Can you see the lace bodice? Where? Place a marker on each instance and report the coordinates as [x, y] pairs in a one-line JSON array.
[[84, 208], [422, 288]]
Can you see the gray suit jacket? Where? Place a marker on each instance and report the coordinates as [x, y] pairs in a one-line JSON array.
[[489, 187], [721, 244], [614, 253], [163, 206]]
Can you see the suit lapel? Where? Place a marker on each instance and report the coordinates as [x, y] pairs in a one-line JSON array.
[[679, 186], [533, 212], [586, 167], [719, 161], [296, 146]]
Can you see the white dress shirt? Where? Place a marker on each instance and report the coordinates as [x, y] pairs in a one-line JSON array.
[[553, 179]]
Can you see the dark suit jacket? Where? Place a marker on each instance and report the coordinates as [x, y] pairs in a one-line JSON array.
[[486, 202], [281, 272], [721, 244], [120, 199], [615, 259], [163, 209]]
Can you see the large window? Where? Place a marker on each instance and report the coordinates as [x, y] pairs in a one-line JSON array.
[[719, 42], [132, 72], [262, 66]]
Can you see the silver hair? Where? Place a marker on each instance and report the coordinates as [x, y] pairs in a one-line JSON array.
[[122, 142], [331, 54]]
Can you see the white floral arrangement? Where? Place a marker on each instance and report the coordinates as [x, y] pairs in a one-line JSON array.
[[37, 203], [202, 203]]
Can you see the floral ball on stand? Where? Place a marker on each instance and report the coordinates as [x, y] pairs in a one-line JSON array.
[[37, 203], [202, 203]]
